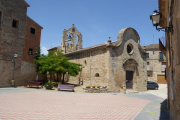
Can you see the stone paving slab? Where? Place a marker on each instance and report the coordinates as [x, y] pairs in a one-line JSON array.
[[37, 104], [61, 106]]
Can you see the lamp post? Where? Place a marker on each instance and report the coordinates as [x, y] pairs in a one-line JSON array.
[[155, 17], [13, 61]]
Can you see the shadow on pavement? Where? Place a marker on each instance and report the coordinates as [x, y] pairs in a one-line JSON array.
[[164, 114]]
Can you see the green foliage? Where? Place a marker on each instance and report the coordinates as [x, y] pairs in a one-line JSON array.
[[37, 55], [49, 84], [56, 62]]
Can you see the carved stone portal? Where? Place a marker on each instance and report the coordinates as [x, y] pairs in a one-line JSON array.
[[130, 64]]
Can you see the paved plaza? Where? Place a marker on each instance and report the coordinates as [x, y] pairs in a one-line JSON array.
[[37, 104]]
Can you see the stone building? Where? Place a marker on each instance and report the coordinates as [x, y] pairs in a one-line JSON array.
[[14, 39], [170, 10], [156, 64], [120, 65]]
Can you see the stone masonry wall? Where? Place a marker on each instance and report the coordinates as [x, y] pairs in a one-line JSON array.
[[12, 39], [155, 65], [173, 66], [28, 73], [92, 62]]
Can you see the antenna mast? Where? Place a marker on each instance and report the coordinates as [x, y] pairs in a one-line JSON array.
[[153, 39]]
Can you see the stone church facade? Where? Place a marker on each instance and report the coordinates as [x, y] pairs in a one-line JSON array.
[[119, 65]]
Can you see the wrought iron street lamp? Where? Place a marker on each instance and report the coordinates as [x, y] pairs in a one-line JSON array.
[[13, 61], [155, 17]]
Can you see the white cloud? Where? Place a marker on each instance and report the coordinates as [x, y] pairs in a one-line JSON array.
[[44, 50]]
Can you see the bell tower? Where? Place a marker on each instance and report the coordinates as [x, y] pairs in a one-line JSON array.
[[71, 40]]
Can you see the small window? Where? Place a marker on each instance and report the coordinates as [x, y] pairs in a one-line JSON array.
[[0, 18], [147, 55], [129, 48], [15, 23], [85, 62], [160, 55], [30, 51], [97, 75], [73, 30], [33, 30]]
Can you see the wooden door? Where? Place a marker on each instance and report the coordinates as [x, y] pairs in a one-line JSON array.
[[161, 79], [129, 79]]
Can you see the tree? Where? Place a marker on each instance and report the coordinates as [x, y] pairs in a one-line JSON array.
[[37, 55], [72, 69], [56, 62]]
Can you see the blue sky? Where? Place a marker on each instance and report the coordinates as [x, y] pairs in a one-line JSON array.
[[95, 19]]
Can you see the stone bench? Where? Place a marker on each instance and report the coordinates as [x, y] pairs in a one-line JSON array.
[[32, 83], [67, 87]]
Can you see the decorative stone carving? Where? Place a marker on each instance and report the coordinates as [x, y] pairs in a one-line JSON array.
[[130, 63]]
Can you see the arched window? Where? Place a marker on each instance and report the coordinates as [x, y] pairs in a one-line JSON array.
[[97, 75]]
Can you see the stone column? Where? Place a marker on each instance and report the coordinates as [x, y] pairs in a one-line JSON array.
[[73, 42]]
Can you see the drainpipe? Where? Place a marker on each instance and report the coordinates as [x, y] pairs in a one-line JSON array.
[[90, 67]]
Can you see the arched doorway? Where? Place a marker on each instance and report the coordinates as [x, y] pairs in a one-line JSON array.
[[130, 67]]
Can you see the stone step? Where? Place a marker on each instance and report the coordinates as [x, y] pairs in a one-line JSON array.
[[131, 91]]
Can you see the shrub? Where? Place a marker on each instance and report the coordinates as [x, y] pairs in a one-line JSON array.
[[50, 84]]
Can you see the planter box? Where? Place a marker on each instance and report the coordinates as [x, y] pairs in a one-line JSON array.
[[48, 87]]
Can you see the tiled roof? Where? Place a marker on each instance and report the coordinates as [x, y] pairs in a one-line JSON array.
[[55, 48], [151, 47]]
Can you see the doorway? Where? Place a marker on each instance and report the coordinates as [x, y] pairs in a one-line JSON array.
[[129, 79]]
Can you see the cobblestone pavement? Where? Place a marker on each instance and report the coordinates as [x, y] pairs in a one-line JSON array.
[[32, 104]]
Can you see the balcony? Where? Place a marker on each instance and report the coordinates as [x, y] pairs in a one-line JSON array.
[[163, 69], [149, 68], [161, 59]]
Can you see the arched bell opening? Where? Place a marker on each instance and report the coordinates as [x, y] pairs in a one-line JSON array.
[[69, 38]]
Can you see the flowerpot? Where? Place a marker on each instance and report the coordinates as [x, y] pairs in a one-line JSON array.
[[48, 87]]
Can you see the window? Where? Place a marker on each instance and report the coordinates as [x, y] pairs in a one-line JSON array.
[[0, 18], [30, 51], [147, 55], [33, 30], [97, 75], [15, 23], [160, 55], [129, 49], [85, 62]]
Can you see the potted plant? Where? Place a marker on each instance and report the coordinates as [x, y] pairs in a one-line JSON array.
[[48, 85], [93, 86], [88, 87], [104, 86], [98, 86]]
